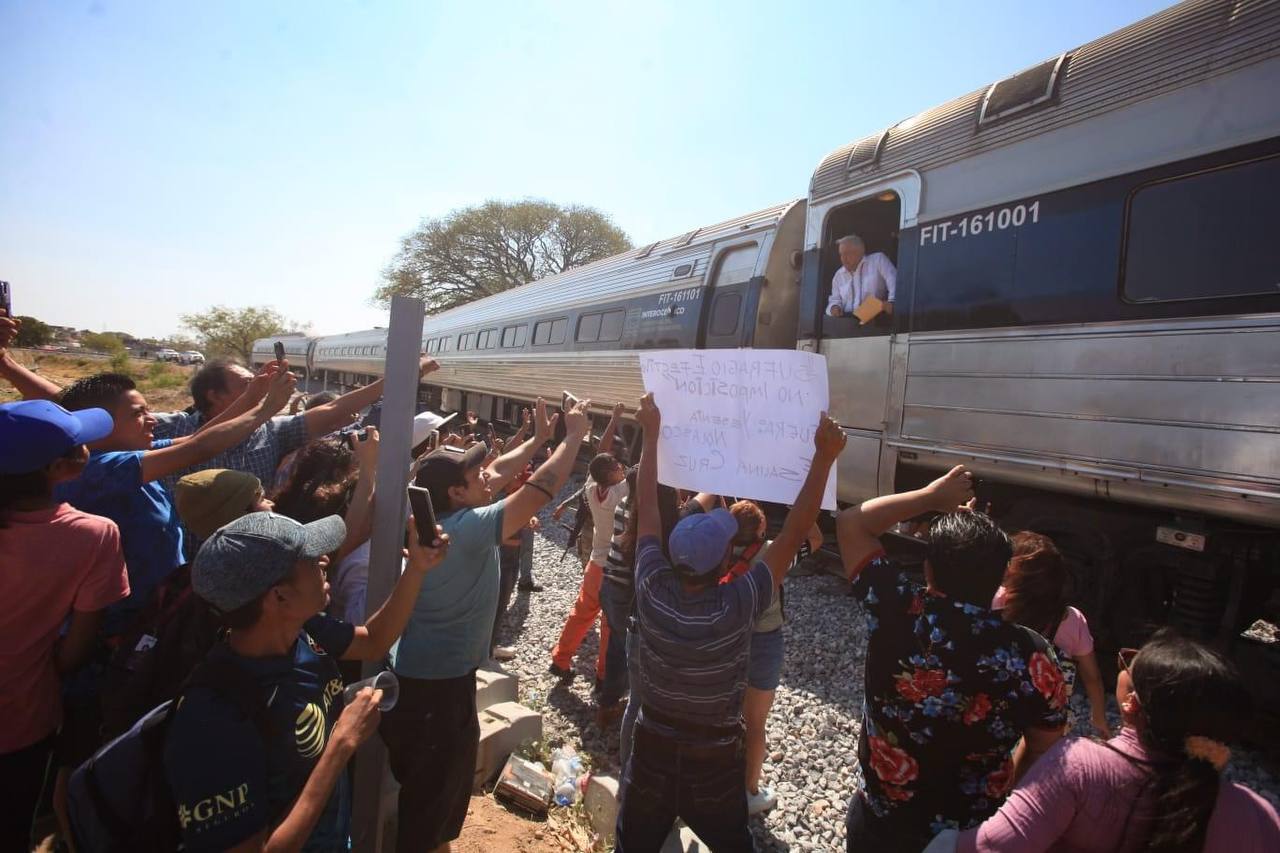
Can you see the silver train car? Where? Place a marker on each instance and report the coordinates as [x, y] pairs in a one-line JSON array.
[[298, 349], [1087, 313]]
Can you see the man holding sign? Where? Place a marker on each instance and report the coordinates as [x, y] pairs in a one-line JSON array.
[[694, 638]]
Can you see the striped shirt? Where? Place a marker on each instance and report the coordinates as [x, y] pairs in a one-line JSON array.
[[693, 646], [616, 567], [259, 454]]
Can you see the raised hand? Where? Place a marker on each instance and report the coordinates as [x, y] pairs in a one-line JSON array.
[[366, 450], [952, 491], [544, 425], [828, 439], [649, 416], [279, 390], [576, 422], [424, 558], [9, 328], [427, 364]]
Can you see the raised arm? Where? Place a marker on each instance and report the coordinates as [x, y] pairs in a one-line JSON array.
[[828, 442], [359, 514], [210, 442], [610, 430], [374, 639], [539, 489], [858, 528], [507, 466], [29, 384], [648, 520], [253, 394], [323, 420]]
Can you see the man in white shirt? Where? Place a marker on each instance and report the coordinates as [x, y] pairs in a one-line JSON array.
[[861, 276]]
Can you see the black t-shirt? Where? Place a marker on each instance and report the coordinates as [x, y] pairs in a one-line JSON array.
[[950, 688], [226, 785]]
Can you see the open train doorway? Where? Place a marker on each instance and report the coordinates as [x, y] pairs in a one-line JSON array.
[[877, 220]]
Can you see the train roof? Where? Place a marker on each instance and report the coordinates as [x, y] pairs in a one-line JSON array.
[[611, 278], [1175, 48]]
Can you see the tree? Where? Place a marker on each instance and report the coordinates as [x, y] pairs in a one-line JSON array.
[[102, 342], [33, 333], [230, 332], [479, 251]]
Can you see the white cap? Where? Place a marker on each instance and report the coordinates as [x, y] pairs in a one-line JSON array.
[[425, 422]]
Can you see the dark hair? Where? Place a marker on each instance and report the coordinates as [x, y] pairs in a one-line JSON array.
[[208, 379], [601, 465], [749, 516], [320, 483], [32, 485], [968, 553], [319, 399], [1184, 688], [99, 391], [440, 500], [1035, 583]]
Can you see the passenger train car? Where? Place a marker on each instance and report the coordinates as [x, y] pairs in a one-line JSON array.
[[1087, 313]]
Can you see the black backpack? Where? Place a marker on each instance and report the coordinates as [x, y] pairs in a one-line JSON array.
[[119, 800], [156, 654]]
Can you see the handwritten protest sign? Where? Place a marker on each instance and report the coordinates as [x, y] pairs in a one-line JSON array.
[[738, 422]]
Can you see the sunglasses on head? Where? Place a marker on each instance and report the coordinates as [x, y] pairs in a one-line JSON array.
[[1124, 659]]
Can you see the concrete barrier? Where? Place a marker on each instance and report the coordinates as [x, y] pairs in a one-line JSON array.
[[503, 727], [494, 687], [601, 801]]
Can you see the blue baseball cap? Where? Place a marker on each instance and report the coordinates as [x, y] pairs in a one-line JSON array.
[[34, 433], [701, 541]]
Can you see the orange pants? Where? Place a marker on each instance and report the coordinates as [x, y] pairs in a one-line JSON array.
[[581, 618]]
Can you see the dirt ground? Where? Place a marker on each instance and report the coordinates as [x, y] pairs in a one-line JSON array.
[[164, 385], [491, 827]]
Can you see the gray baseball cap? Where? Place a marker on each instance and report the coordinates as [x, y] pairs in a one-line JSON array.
[[244, 559]]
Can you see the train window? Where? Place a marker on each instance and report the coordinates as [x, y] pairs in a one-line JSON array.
[[1204, 236], [1023, 91], [611, 325], [483, 339], [446, 344], [514, 336], [588, 328], [433, 345], [724, 316], [464, 340], [550, 331]]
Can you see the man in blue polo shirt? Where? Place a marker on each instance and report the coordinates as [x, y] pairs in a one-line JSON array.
[[687, 760]]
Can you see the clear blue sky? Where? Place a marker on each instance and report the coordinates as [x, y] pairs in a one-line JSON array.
[[160, 157]]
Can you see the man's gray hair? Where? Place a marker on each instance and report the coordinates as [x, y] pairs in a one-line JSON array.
[[852, 240]]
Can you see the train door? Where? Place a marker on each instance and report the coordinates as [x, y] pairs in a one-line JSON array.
[[860, 354], [730, 298]]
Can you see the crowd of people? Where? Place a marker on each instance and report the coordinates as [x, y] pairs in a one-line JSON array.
[[198, 580]]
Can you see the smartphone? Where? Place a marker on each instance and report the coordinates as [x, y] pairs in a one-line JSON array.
[[279, 351], [6, 301], [567, 402], [424, 516]]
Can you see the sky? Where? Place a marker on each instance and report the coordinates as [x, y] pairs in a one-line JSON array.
[[158, 158]]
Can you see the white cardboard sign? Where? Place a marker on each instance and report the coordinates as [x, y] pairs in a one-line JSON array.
[[738, 422]]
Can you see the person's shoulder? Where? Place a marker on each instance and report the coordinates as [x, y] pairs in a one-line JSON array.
[[1243, 810], [85, 522]]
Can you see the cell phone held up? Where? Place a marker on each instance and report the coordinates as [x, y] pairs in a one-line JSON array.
[[424, 515], [279, 351], [6, 300]]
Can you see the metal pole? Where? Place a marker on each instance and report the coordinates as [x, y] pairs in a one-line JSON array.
[[399, 400]]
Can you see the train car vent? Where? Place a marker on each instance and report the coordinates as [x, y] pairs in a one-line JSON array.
[[1023, 91], [866, 151], [646, 251], [682, 271], [687, 238]]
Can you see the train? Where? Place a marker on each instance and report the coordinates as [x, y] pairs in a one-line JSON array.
[[1087, 315]]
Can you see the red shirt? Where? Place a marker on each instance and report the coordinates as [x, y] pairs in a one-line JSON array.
[[53, 561]]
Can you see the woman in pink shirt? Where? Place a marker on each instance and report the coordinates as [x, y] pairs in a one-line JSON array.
[[1034, 594], [1157, 785]]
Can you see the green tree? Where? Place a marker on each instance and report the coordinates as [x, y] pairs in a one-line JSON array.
[[483, 250], [103, 342], [33, 333], [230, 332]]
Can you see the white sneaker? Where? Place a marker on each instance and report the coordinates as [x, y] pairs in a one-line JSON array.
[[504, 653], [761, 802]]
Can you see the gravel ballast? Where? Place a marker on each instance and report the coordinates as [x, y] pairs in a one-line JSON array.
[[813, 727]]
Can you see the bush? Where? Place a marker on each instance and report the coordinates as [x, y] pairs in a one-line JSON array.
[[157, 369], [165, 379], [119, 362]]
